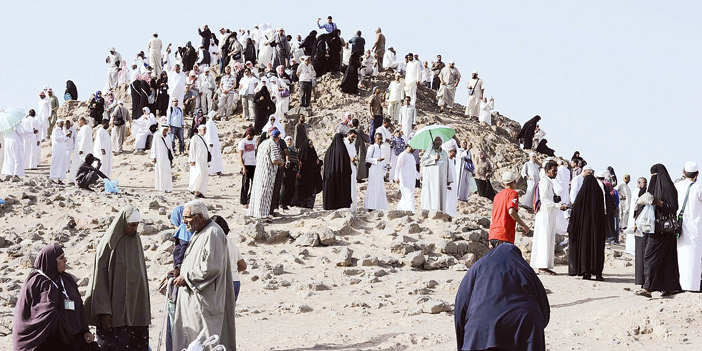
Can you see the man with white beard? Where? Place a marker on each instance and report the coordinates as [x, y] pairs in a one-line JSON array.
[[436, 178], [30, 139], [396, 93], [102, 150], [406, 176], [154, 47], [83, 146], [212, 139], [530, 171], [475, 96], [350, 143], [161, 156], [412, 77], [43, 115], [114, 62], [57, 171], [197, 154]]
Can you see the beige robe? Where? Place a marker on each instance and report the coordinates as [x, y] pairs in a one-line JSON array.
[[207, 300]]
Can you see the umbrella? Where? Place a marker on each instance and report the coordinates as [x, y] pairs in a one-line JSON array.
[[424, 138], [10, 117]]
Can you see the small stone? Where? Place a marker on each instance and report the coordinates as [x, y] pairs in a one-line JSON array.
[[307, 239], [415, 259], [345, 259], [304, 309]]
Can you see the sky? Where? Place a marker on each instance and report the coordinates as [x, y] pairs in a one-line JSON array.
[[617, 80]]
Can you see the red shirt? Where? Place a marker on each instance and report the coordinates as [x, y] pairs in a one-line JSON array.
[[502, 226]]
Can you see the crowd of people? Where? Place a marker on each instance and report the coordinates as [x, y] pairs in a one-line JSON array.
[[257, 70]]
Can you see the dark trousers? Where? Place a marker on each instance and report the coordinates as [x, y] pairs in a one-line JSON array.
[[275, 201], [177, 132], [288, 192], [246, 181], [305, 93], [375, 124], [435, 83], [485, 188]]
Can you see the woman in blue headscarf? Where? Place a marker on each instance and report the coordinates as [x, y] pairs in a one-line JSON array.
[[181, 235], [97, 107]]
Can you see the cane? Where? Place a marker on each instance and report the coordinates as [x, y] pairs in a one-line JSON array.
[[163, 324]]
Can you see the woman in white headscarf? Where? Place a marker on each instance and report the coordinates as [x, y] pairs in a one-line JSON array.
[[274, 122], [141, 128]]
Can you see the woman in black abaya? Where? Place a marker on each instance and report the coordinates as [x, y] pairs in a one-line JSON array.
[[661, 253], [586, 231], [71, 90], [263, 108], [310, 182], [337, 175], [162, 94], [320, 55], [349, 84], [526, 135], [308, 43]]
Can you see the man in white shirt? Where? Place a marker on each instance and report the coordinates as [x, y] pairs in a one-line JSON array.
[[247, 156], [412, 76], [396, 93], [206, 86], [247, 86], [154, 47], [306, 73]]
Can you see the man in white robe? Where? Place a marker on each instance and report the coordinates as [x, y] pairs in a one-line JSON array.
[[465, 182], [155, 47], [412, 77], [13, 152], [83, 146], [436, 178], [141, 129], [486, 108], [385, 147], [530, 171], [176, 84], [449, 77], [206, 298], [396, 94], [408, 117], [577, 182], [114, 63], [57, 170], [624, 201], [102, 150], [406, 175], [475, 95], [212, 139], [544, 242], [690, 242], [160, 148], [43, 115], [31, 140], [375, 192], [452, 190], [350, 143], [197, 155], [70, 143]]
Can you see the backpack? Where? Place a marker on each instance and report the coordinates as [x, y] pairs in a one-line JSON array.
[[537, 199]]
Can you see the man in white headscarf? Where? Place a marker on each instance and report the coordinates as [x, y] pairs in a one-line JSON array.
[[14, 153], [114, 63], [436, 178], [155, 47], [406, 175], [212, 139], [161, 156], [59, 165], [412, 77], [408, 117], [375, 192], [119, 120], [197, 155], [577, 182], [350, 143], [449, 77], [31, 138], [83, 146], [43, 115], [624, 200], [475, 95], [530, 172], [102, 149], [176, 84], [452, 189]]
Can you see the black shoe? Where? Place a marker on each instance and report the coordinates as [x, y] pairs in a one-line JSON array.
[[599, 278], [587, 277], [285, 207]]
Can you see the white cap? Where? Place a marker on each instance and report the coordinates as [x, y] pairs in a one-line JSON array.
[[112, 49], [135, 217], [155, 33], [202, 126], [451, 61], [587, 168], [475, 72], [600, 174], [532, 154], [691, 167], [508, 177]]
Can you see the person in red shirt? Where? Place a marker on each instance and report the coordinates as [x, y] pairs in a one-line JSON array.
[[504, 213]]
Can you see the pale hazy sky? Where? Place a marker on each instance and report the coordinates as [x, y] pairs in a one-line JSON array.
[[617, 80]]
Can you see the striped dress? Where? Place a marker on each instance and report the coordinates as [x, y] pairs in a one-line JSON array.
[[264, 179]]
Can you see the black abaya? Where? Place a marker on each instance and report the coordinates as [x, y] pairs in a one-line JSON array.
[[349, 84], [542, 148], [162, 95], [526, 135], [310, 182], [308, 43], [485, 188], [320, 56], [71, 90], [263, 108], [337, 175], [586, 230]]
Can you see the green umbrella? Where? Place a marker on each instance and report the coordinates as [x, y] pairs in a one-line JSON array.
[[424, 138], [10, 117]]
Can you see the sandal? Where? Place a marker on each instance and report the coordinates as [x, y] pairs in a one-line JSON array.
[[669, 293], [643, 293], [547, 271]]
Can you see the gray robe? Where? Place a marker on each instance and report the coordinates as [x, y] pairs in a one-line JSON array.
[[207, 300], [435, 179]]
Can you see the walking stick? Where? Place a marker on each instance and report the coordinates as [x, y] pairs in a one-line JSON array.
[[163, 324]]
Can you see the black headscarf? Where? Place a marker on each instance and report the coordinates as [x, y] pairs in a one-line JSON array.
[[542, 148], [71, 89], [40, 307], [612, 175], [337, 175], [310, 182], [662, 188], [501, 304], [528, 129], [250, 51], [308, 43], [587, 229]]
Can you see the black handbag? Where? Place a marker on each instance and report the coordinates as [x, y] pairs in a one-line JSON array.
[[170, 154], [668, 225]]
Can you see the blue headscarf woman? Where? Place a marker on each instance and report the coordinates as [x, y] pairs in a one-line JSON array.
[[97, 107], [181, 235]]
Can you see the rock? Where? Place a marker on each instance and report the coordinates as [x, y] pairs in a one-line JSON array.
[[436, 306], [304, 309], [307, 239], [326, 236], [456, 248], [344, 258], [313, 286], [259, 234], [394, 214], [352, 272], [441, 262], [460, 267], [468, 259], [484, 222], [414, 312], [369, 261], [413, 228], [415, 259], [439, 215]]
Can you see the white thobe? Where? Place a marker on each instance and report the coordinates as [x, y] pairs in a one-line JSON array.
[[544, 241], [473, 105], [84, 144], [452, 193], [70, 145], [375, 192], [197, 153], [113, 70], [385, 147], [389, 60], [13, 150], [563, 178], [141, 131], [176, 86], [575, 186], [212, 139], [351, 148], [30, 139], [396, 94], [412, 76], [435, 180], [154, 47], [59, 165], [486, 111], [530, 169], [624, 203], [690, 242], [103, 142], [408, 118], [406, 173], [42, 116], [162, 169]]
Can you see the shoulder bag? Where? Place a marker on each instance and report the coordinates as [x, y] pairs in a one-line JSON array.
[[679, 218], [209, 155]]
